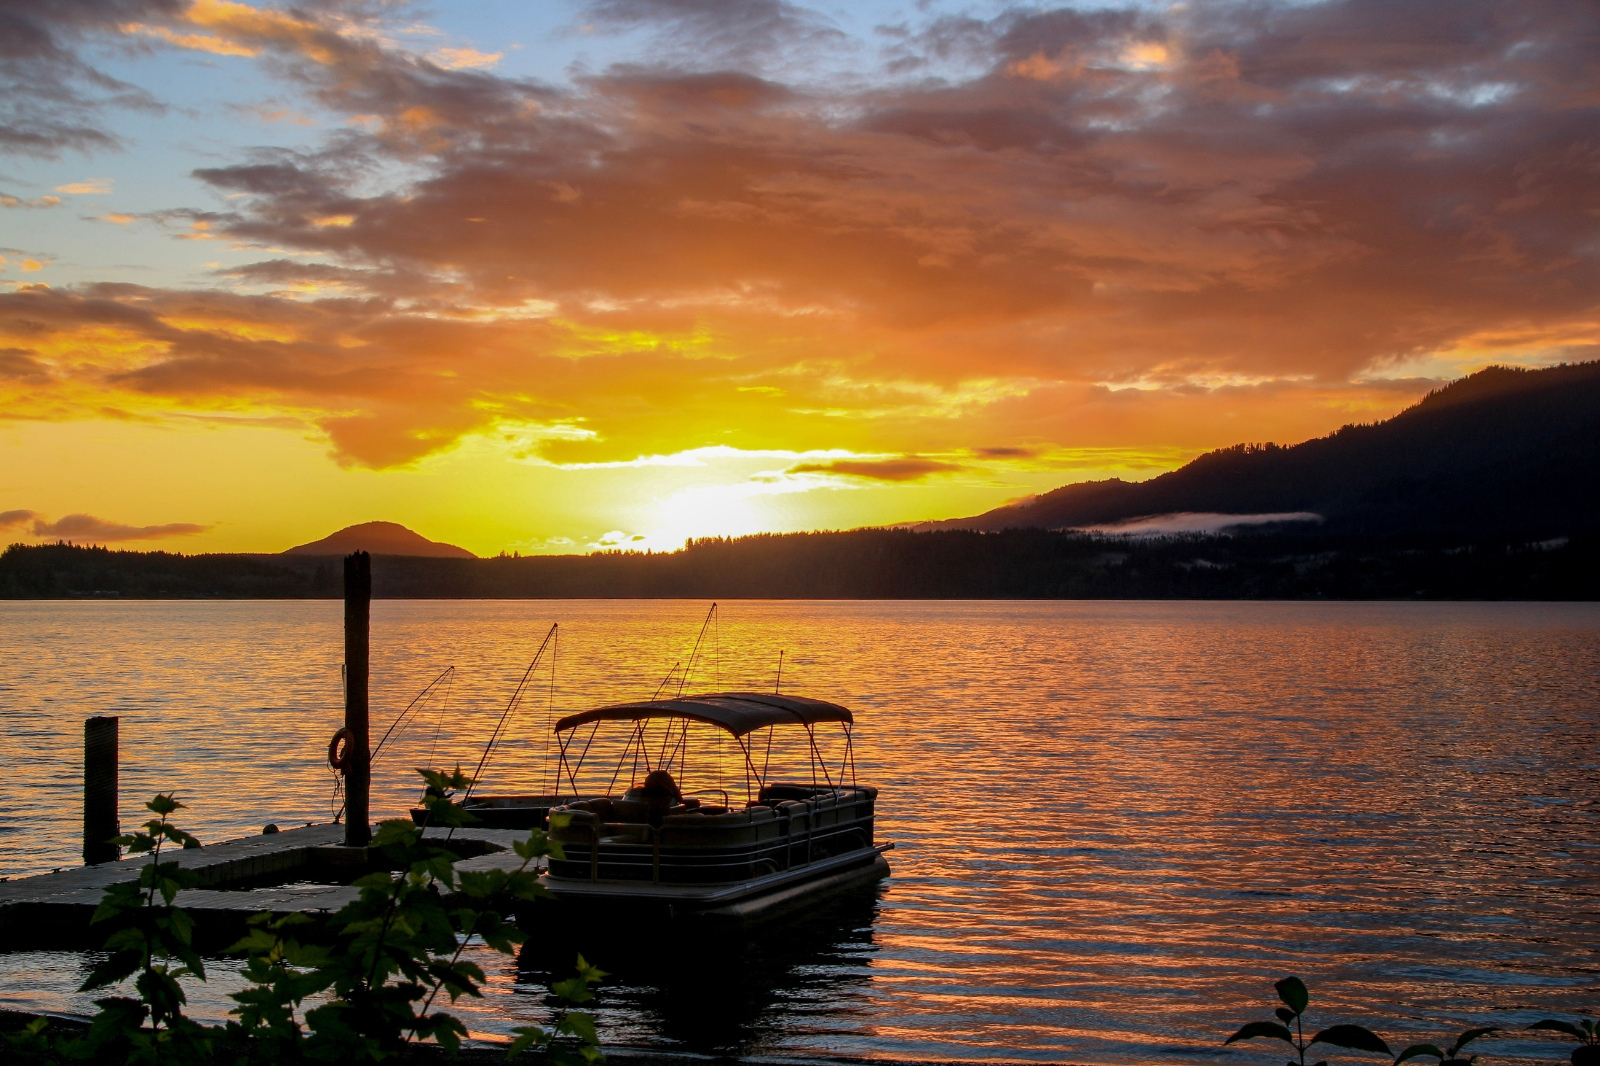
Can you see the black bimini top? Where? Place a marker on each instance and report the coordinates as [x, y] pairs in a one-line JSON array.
[[737, 712]]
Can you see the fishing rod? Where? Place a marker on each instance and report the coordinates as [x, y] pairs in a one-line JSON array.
[[448, 672], [665, 681], [694, 654], [398, 725], [511, 705]]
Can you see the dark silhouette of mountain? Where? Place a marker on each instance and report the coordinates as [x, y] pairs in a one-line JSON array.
[[380, 538], [1502, 453]]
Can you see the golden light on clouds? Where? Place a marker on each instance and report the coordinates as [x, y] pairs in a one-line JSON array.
[[720, 287]]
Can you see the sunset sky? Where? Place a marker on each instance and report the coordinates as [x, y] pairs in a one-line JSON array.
[[555, 276]]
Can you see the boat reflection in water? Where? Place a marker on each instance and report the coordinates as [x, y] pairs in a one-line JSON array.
[[742, 991]]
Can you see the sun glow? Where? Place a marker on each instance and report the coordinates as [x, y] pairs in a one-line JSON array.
[[524, 300]]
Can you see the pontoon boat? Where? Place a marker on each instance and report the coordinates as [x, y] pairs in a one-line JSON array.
[[661, 844]]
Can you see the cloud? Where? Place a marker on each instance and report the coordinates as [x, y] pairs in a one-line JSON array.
[[15, 518], [906, 468], [464, 58], [92, 187], [1176, 226], [719, 33], [51, 99], [19, 364], [88, 527], [7, 200]]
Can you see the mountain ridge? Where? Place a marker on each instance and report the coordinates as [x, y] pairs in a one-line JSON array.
[[1502, 452]]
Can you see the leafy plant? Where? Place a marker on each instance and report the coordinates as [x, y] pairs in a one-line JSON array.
[[1292, 991], [1453, 1054], [396, 948], [1587, 1053], [144, 932], [282, 973], [382, 961], [571, 1039]]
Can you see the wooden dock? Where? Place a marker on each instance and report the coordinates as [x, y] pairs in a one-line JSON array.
[[304, 870]]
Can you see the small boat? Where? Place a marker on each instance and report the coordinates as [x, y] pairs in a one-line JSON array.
[[658, 847]]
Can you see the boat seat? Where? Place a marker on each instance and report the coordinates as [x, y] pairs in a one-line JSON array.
[[787, 792], [599, 806], [624, 833], [629, 810]]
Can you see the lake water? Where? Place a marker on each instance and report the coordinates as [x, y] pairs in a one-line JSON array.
[[1116, 823]]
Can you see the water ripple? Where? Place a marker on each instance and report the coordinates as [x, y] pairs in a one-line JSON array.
[[1117, 823]]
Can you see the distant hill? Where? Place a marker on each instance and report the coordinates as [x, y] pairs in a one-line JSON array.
[[1502, 453], [380, 538]]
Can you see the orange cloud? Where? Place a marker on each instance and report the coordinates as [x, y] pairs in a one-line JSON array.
[[40, 201], [1135, 230], [906, 468], [92, 187]]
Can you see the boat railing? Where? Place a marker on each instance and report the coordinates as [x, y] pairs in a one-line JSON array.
[[715, 847]]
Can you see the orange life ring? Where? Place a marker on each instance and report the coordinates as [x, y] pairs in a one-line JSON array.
[[339, 750]]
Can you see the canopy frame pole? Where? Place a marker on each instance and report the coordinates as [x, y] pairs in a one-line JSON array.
[[817, 759], [750, 769], [849, 755], [562, 742], [679, 749], [622, 758], [586, 744]]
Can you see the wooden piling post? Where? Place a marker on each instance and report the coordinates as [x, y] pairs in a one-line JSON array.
[[357, 628], [100, 823]]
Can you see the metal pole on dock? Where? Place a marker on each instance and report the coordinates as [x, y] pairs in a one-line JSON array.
[[100, 823], [357, 626]]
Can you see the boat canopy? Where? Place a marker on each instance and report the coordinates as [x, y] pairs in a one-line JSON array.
[[737, 712]]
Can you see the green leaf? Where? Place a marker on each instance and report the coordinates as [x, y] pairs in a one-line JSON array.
[[581, 1026], [1468, 1037], [1293, 992], [572, 990], [119, 966], [1353, 1037], [1285, 1015], [1420, 1049], [590, 973], [1558, 1026], [396, 832], [527, 1037], [163, 804], [1255, 1029]]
